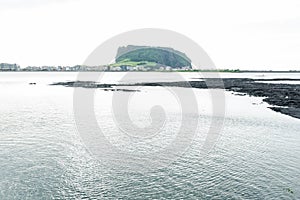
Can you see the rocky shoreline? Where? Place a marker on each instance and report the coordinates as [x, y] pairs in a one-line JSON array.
[[283, 98]]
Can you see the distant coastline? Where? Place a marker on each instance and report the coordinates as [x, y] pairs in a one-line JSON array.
[[125, 67], [171, 71], [6, 67]]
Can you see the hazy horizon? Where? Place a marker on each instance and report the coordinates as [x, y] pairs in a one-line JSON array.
[[252, 35]]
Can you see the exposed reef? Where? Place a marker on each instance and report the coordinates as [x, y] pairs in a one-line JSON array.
[[283, 98]]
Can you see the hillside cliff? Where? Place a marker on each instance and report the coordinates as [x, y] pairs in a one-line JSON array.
[[160, 55]]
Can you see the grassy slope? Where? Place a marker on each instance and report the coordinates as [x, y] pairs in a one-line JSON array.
[[128, 62]]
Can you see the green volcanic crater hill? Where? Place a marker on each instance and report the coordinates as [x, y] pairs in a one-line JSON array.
[[153, 55]]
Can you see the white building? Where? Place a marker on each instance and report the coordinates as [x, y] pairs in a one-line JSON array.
[[9, 67]]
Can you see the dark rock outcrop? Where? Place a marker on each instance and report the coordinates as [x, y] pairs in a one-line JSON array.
[[283, 98]]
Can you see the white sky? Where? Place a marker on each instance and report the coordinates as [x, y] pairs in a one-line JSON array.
[[253, 34]]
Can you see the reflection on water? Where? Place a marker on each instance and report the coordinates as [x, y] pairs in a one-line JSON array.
[[42, 156]]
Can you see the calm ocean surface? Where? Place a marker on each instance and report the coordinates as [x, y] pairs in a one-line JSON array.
[[42, 156]]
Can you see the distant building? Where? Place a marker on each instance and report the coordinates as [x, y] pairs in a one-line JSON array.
[[124, 68], [140, 68], [49, 68], [116, 69], [9, 67], [168, 68], [32, 68]]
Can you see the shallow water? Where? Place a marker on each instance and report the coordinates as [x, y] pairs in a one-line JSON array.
[[42, 156]]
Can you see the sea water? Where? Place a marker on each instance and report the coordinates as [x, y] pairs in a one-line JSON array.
[[43, 156]]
